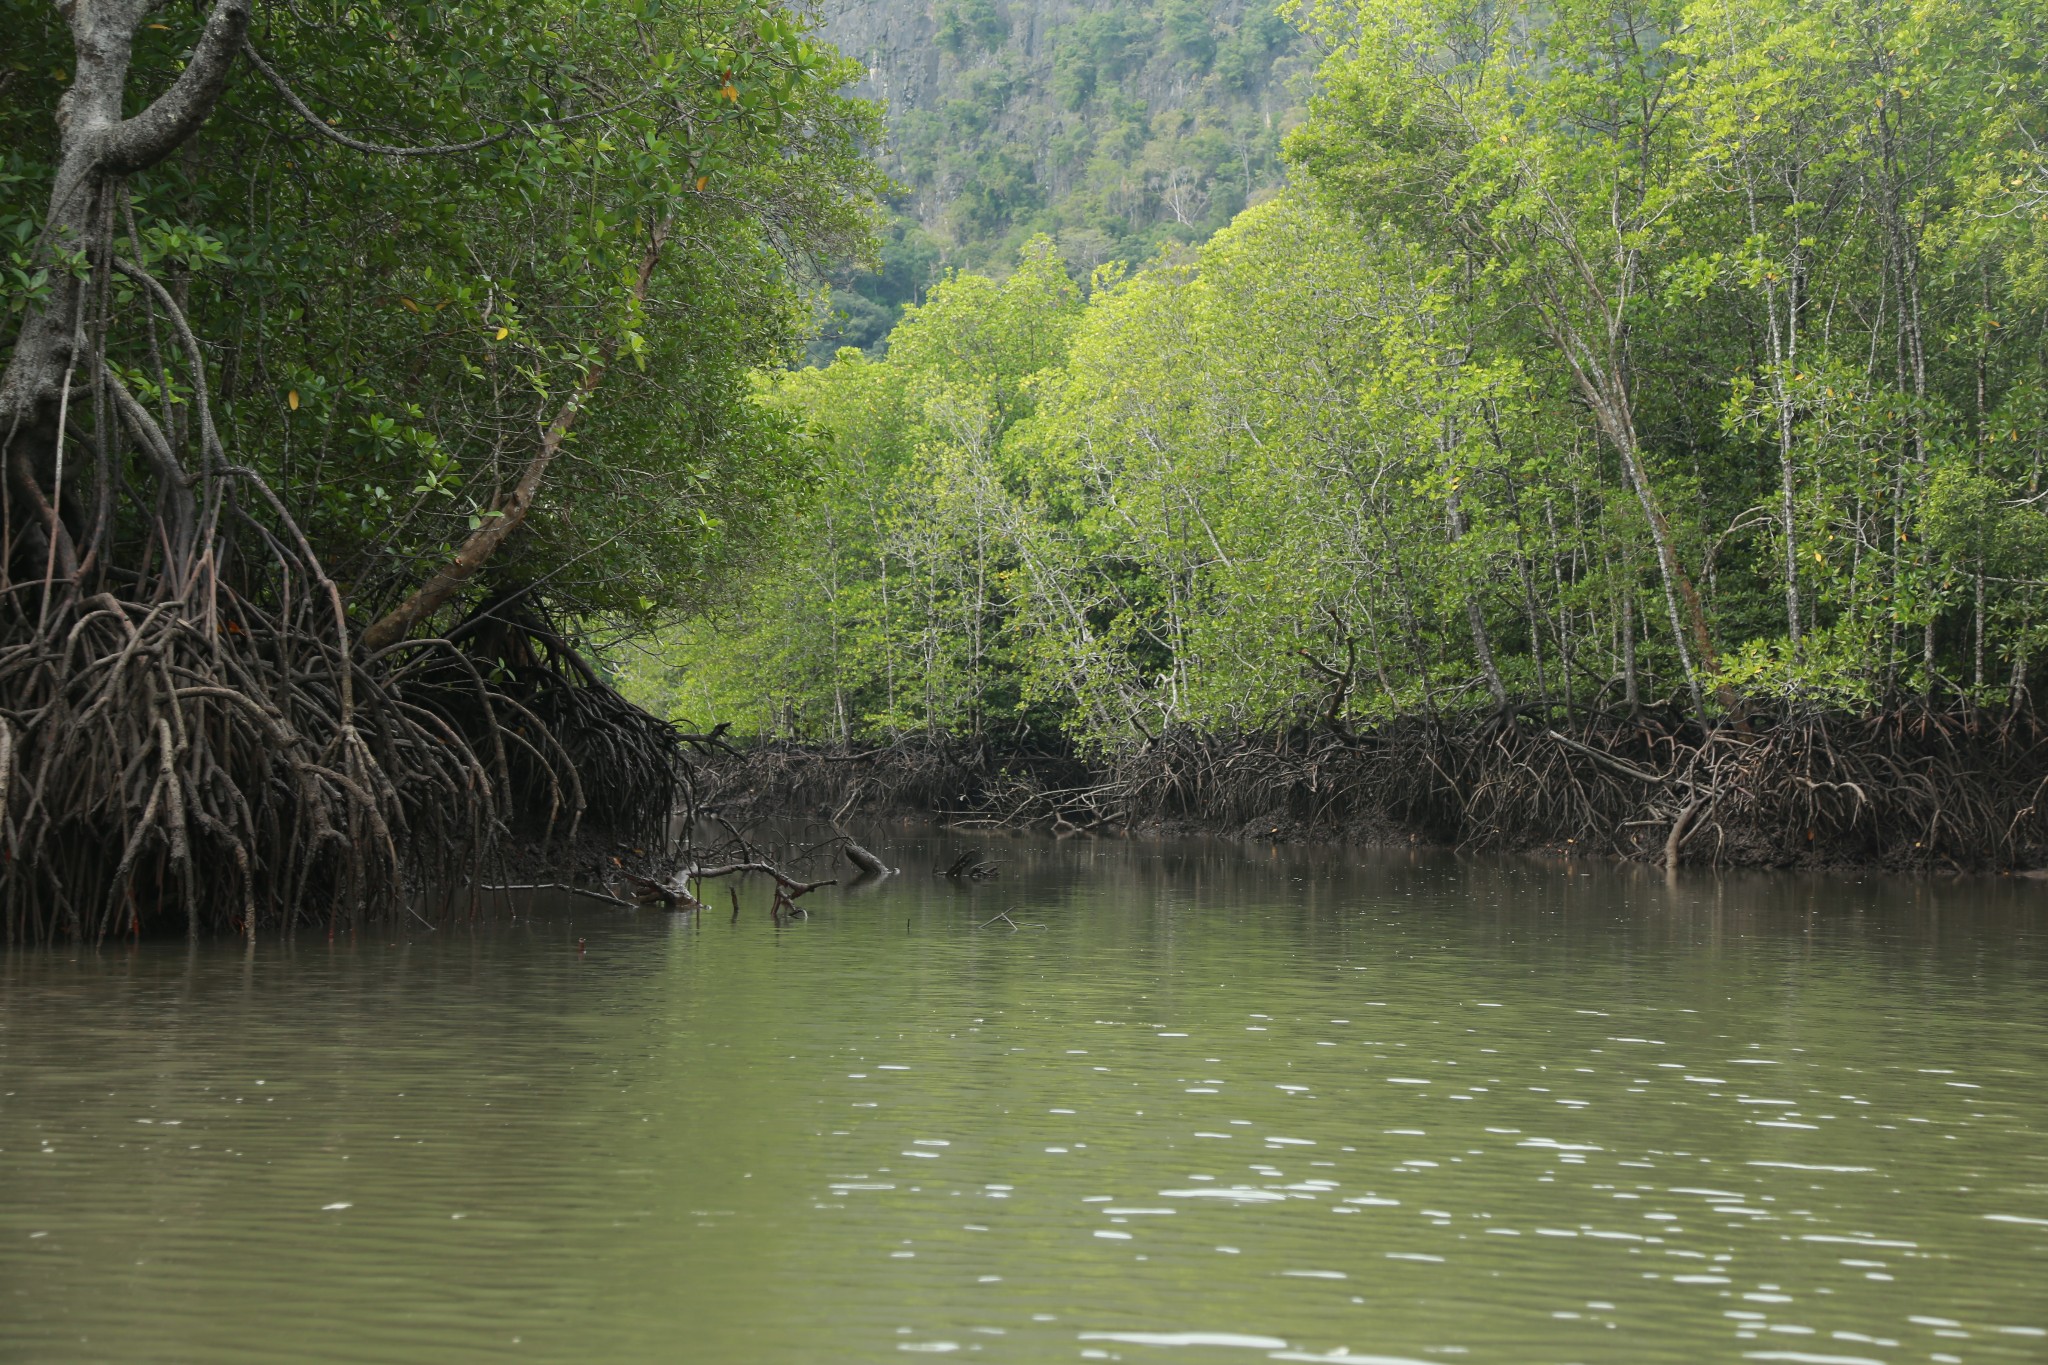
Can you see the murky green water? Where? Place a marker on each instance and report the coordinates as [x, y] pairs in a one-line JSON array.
[[1205, 1106]]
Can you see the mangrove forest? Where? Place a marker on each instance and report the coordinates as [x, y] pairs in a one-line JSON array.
[[1623, 434], [356, 358], [1610, 426]]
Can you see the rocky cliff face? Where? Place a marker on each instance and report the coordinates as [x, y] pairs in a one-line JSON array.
[[898, 40], [1118, 126], [894, 40]]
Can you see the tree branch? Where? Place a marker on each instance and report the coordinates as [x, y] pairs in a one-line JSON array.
[[333, 134], [483, 542], [209, 438], [137, 143]]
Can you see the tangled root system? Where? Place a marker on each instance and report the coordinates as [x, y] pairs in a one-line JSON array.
[[202, 755], [222, 759], [1911, 787]]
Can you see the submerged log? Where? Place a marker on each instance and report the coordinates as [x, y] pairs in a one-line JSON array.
[[868, 863]]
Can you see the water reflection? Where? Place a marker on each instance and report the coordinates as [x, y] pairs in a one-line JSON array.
[[1187, 1102]]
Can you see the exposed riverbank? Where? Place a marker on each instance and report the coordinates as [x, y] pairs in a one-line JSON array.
[[1911, 789]]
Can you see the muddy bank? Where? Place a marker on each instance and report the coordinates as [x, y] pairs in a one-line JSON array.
[[1907, 789]]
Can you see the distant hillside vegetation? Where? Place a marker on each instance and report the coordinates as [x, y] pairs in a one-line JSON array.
[[1120, 127]]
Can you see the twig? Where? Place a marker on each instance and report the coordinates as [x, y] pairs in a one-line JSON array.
[[562, 886]]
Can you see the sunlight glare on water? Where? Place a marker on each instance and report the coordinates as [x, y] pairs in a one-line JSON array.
[[1203, 1104]]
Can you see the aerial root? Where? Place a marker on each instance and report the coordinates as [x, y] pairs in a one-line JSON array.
[[221, 758], [1906, 787], [198, 759]]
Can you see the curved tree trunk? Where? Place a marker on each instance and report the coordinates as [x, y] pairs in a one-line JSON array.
[[96, 148]]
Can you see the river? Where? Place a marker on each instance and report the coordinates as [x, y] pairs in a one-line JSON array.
[[1188, 1102]]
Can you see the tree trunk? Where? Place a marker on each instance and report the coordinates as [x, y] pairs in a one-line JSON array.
[[1606, 393], [1475, 619], [1630, 692], [96, 148]]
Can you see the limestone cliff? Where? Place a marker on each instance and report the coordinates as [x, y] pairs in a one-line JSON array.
[[1118, 126]]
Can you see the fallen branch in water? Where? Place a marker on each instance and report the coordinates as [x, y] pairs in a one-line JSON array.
[[867, 862], [789, 885], [971, 866]]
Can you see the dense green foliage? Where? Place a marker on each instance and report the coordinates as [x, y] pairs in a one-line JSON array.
[[1606, 351], [1119, 129], [387, 336]]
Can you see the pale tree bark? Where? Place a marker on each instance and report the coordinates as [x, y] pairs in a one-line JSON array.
[[1631, 692], [1894, 205], [1584, 309], [96, 148], [1584, 314], [1608, 397], [1794, 165], [1781, 332]]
